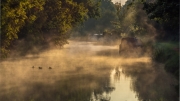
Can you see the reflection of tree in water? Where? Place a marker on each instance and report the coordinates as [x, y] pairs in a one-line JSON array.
[[117, 74], [104, 94], [151, 82]]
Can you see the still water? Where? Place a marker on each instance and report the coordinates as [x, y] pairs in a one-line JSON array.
[[84, 71]]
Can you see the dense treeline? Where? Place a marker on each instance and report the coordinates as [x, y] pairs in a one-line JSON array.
[[99, 24], [31, 21], [166, 13]]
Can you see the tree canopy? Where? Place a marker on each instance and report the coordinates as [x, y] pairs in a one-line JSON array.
[[102, 22], [31, 19], [165, 12], [13, 17]]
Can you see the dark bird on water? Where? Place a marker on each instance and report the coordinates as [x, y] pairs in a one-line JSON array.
[[40, 67], [33, 67], [50, 67]]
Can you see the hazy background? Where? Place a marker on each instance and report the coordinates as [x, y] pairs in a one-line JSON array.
[[122, 1]]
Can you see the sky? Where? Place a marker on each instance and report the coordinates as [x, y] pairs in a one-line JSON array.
[[122, 1]]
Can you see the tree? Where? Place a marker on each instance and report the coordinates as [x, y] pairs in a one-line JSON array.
[[92, 6], [106, 16], [14, 15], [132, 19], [166, 13], [31, 19]]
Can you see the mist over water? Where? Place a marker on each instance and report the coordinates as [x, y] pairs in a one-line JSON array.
[[84, 71]]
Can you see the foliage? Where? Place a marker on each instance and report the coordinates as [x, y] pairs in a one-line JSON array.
[[102, 21], [64, 14], [166, 13], [14, 15], [167, 53], [27, 19], [132, 19], [92, 7], [172, 65]]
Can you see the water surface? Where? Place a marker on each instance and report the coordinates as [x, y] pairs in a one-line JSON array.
[[84, 71]]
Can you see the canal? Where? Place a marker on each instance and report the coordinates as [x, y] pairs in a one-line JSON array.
[[84, 71]]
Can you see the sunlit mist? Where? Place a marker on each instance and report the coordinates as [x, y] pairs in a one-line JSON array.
[[83, 71], [122, 1]]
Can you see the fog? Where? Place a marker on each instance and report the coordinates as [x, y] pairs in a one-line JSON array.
[[84, 71]]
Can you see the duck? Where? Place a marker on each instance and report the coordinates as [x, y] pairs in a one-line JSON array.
[[50, 67], [40, 67]]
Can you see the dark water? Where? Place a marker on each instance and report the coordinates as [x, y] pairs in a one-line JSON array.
[[83, 71]]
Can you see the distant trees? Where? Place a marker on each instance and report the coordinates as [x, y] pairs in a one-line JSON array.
[[133, 20], [101, 22], [31, 19], [92, 6], [138, 17]]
